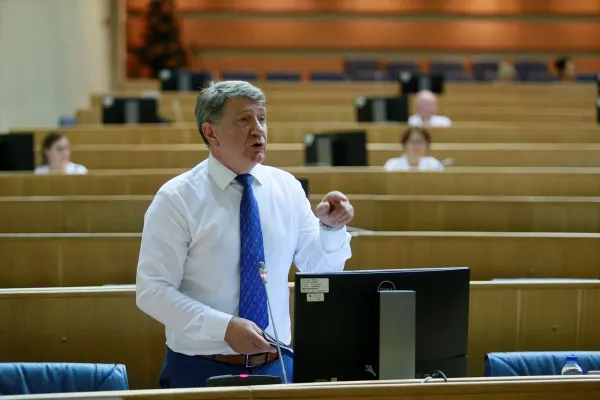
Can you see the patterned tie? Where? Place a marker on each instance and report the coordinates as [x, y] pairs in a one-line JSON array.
[[253, 299]]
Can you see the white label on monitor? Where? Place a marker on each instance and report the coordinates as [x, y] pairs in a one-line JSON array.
[[311, 297], [314, 285]]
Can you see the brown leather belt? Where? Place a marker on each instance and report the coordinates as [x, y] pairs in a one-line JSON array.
[[254, 360]]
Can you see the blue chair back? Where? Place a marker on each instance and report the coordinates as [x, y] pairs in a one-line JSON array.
[[283, 76], [327, 76], [537, 363], [240, 76], [41, 378]]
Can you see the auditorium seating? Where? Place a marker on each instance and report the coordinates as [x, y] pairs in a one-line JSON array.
[[103, 324], [521, 200]]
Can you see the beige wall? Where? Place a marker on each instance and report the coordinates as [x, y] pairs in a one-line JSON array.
[[53, 54]]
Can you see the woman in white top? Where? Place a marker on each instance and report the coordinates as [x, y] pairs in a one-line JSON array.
[[416, 142], [56, 156]]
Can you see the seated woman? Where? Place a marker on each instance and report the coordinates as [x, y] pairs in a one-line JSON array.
[[416, 142], [56, 156]]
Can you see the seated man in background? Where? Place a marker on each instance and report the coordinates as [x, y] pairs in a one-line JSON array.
[[565, 68], [416, 142], [56, 156], [426, 107]]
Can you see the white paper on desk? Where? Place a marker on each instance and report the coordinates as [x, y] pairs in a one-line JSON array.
[[272, 341]]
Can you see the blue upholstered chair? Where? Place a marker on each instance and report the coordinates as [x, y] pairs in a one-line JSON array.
[[537, 363], [284, 76], [40, 378]]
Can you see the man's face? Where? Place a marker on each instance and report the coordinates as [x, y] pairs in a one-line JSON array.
[[426, 106], [239, 139]]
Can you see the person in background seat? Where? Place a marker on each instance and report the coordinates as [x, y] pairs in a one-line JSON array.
[[426, 106], [416, 142], [565, 68], [56, 156]]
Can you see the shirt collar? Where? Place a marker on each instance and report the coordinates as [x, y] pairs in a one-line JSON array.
[[223, 176]]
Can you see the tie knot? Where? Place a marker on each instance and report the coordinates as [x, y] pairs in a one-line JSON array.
[[245, 180]]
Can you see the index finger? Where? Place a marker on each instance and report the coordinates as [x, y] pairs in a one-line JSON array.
[[336, 196]]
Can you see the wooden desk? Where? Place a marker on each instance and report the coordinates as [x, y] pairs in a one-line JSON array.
[[123, 214], [347, 113], [48, 260], [103, 324], [292, 155], [517, 388], [476, 181], [293, 132]]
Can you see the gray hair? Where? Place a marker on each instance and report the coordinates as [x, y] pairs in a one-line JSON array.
[[211, 101]]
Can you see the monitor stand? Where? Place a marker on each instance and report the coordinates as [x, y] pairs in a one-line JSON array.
[[397, 338]]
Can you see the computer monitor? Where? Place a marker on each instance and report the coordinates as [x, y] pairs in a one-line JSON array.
[[304, 183], [17, 152], [181, 80], [382, 109], [129, 110], [413, 83], [346, 329], [336, 149]]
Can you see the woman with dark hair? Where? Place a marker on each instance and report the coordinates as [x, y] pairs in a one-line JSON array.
[[56, 156], [416, 142]]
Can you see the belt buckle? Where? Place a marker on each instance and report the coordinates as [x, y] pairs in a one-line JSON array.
[[266, 355]]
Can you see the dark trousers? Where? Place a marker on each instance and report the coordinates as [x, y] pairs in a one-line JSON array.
[[182, 371]]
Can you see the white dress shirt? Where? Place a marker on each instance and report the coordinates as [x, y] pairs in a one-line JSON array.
[[72, 169], [188, 275], [425, 164], [434, 121]]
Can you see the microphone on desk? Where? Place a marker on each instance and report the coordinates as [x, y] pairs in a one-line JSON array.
[[262, 270]]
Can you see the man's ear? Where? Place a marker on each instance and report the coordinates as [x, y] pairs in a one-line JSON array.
[[208, 130]]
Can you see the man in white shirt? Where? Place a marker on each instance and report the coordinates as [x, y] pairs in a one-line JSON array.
[[426, 106], [205, 233]]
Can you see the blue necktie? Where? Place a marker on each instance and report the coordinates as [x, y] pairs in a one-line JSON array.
[[253, 299]]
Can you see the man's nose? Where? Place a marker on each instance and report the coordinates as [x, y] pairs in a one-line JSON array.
[[257, 129]]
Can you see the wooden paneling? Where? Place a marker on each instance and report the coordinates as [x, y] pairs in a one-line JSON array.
[[467, 7], [293, 155], [104, 325], [373, 35], [294, 133], [477, 181], [124, 214], [48, 260]]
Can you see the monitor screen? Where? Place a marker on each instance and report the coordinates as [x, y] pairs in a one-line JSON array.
[[337, 326], [336, 149], [129, 110], [17, 152]]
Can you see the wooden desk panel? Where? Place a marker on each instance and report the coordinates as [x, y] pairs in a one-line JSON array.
[[187, 133], [476, 181], [292, 155], [103, 324], [123, 214], [48, 260]]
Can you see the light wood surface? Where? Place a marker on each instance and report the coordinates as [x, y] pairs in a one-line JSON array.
[[103, 324], [347, 113], [518, 388], [293, 155], [472, 181], [294, 132], [69, 259], [122, 214]]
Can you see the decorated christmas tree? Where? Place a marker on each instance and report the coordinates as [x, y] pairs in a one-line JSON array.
[[162, 38]]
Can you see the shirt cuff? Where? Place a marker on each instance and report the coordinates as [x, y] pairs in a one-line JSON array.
[[332, 240], [214, 324]]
